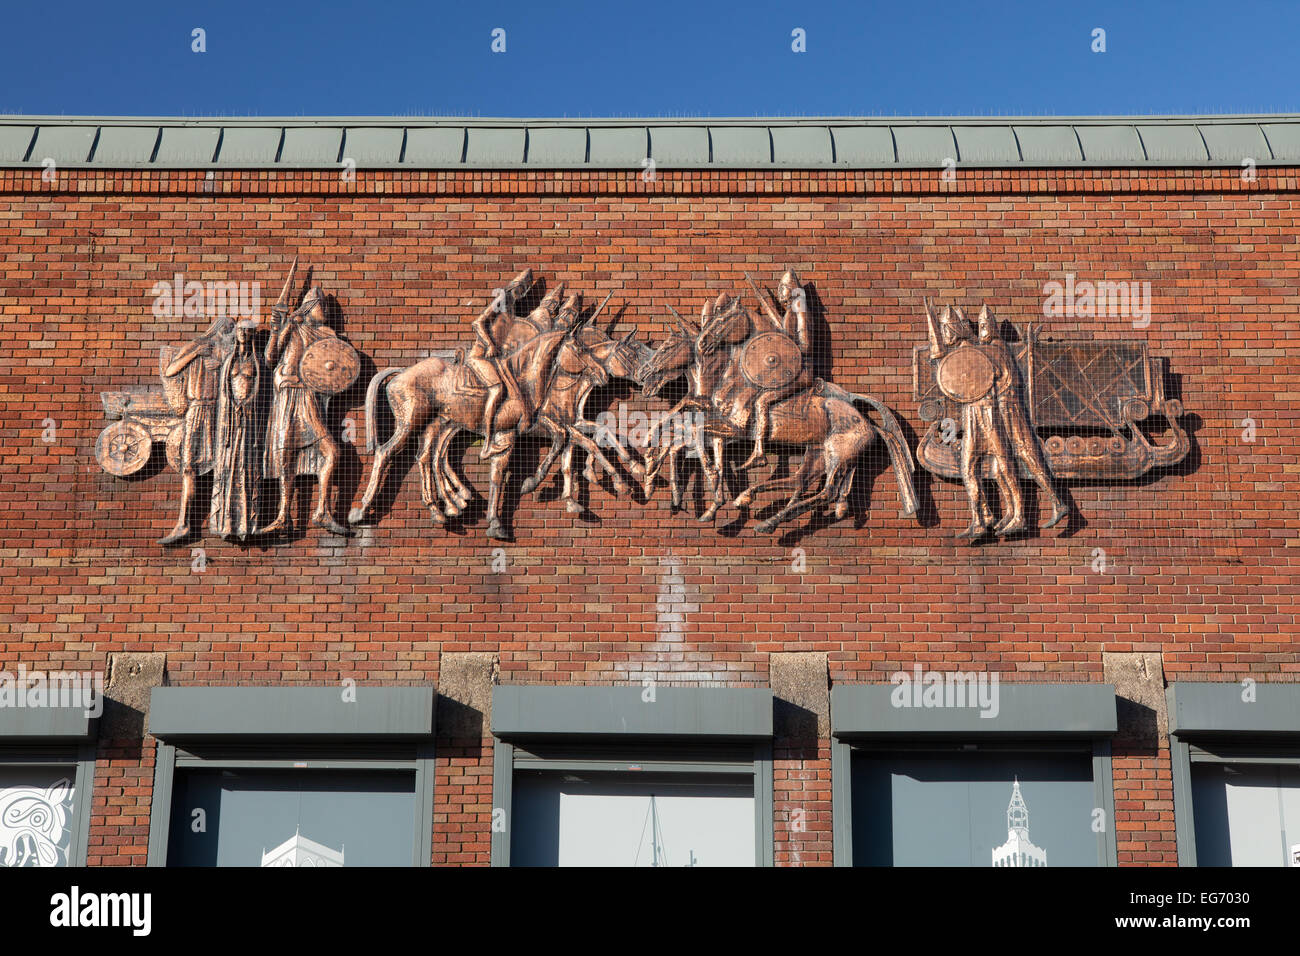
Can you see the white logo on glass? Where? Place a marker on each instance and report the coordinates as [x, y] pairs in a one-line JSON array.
[[1018, 850], [34, 825], [299, 851]]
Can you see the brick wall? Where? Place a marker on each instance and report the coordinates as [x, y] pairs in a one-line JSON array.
[[1203, 560]]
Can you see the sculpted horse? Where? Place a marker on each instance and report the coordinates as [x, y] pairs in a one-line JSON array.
[[824, 419], [436, 392], [558, 368]]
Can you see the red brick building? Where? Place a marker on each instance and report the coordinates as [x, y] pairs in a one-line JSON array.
[[1187, 575]]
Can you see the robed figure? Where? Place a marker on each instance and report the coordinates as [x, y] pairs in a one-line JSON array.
[[237, 455]]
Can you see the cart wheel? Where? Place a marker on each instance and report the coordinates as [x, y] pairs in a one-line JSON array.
[[123, 448], [174, 439]]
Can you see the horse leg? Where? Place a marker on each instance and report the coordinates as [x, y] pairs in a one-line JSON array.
[[557, 445], [594, 456], [449, 485], [412, 409], [796, 482], [713, 472], [431, 486], [839, 452]]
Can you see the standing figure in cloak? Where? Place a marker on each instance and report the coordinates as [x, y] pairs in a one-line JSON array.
[[237, 456]]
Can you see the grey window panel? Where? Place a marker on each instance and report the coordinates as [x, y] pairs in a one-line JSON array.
[[863, 145], [1075, 710], [1048, 145], [925, 145], [63, 144], [367, 818], [986, 144], [435, 146], [802, 146], [914, 809], [597, 819], [45, 723], [311, 146], [1245, 815], [249, 145], [205, 712], [188, 145], [618, 146], [557, 146], [14, 141], [679, 145], [125, 145], [1110, 144], [1233, 142], [495, 147], [1212, 707], [1173, 144], [373, 146], [1284, 140], [717, 712], [741, 145]]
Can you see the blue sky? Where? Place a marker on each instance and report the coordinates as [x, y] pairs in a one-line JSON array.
[[657, 58]]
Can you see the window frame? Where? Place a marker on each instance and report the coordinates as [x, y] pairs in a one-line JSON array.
[[58, 736], [247, 728], [1207, 724], [1043, 718], [690, 730], [80, 757]]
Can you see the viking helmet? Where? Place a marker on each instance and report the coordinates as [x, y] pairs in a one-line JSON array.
[[785, 288], [313, 304], [549, 305], [988, 325], [953, 325]]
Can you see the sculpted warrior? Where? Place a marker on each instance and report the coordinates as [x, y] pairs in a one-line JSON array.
[[483, 357], [982, 431], [795, 324], [199, 362], [297, 425], [1013, 420], [237, 458]]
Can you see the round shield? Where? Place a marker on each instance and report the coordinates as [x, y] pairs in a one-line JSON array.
[[771, 360], [330, 366], [123, 448], [964, 374]]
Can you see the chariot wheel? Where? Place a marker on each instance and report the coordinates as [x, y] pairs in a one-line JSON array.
[[123, 448]]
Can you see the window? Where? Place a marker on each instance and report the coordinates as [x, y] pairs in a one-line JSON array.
[[598, 776], [1022, 779], [47, 770], [1247, 814], [320, 818], [1236, 763], [38, 813], [988, 808], [294, 777]]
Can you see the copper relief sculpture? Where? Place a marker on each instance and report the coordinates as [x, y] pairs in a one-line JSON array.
[[247, 400]]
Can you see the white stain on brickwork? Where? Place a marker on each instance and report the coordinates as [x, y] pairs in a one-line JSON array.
[[674, 601]]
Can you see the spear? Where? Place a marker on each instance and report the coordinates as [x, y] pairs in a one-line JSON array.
[[281, 304]]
